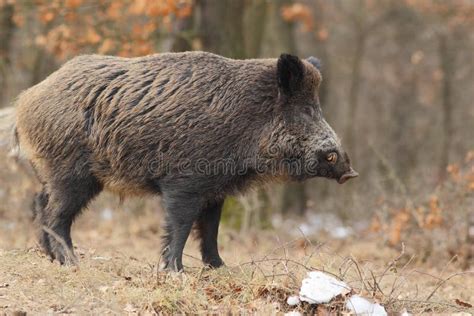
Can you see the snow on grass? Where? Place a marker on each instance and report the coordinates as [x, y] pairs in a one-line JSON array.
[[361, 306], [293, 300], [319, 288]]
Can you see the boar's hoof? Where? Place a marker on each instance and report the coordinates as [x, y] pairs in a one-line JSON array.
[[61, 252], [171, 266], [214, 263], [64, 256], [56, 248]]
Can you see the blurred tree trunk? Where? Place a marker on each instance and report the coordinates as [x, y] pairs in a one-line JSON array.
[[364, 25], [294, 198], [6, 31], [319, 47], [182, 34], [7, 28], [278, 32], [354, 90], [255, 18], [405, 102], [447, 56], [402, 114], [221, 27], [358, 18], [44, 63]]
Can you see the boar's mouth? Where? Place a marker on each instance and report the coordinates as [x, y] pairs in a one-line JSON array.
[[348, 175]]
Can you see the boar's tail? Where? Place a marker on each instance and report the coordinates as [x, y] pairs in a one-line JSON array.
[[8, 132]]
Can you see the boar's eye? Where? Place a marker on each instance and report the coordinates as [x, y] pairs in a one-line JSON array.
[[332, 157]]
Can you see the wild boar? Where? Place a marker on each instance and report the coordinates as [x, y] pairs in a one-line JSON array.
[[192, 127]]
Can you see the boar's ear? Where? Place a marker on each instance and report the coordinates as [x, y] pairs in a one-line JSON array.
[[315, 62], [290, 72]]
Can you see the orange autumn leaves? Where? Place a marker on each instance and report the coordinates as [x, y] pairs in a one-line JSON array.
[[455, 12], [125, 28], [153, 8], [298, 12], [463, 174], [428, 217], [434, 213], [301, 13]]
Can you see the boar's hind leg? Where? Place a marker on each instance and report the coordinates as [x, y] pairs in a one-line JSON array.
[[207, 227], [182, 211], [66, 199], [39, 203]]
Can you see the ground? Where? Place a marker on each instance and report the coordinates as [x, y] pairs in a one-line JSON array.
[[119, 259]]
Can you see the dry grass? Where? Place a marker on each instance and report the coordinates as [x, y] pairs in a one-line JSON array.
[[119, 256], [119, 259]]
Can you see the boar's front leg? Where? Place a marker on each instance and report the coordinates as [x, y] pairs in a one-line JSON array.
[[182, 211], [207, 227]]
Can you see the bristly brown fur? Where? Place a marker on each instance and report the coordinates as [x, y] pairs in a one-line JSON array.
[[130, 125]]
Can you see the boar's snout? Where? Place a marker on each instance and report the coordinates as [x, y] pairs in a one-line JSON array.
[[348, 175]]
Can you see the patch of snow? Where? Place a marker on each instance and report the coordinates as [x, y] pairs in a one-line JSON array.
[[361, 306], [100, 258], [341, 232], [293, 300], [319, 288], [293, 313], [316, 223]]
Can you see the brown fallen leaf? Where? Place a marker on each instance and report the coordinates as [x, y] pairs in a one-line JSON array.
[[322, 311], [463, 304]]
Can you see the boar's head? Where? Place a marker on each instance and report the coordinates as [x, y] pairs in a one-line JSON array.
[[299, 137]]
